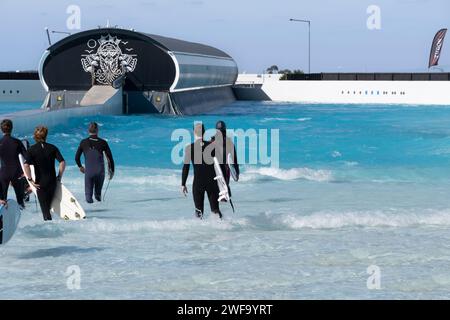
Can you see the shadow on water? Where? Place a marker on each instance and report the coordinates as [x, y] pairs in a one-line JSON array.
[[274, 200], [91, 216], [58, 252], [96, 210], [106, 217], [156, 199]]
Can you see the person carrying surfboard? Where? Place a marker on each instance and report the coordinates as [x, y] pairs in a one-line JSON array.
[[93, 149], [200, 154], [225, 151], [42, 156], [11, 170]]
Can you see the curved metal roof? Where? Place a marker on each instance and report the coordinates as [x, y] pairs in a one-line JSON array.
[[177, 45], [169, 44]]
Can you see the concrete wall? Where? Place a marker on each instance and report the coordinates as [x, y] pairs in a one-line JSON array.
[[361, 92], [26, 121], [21, 91]]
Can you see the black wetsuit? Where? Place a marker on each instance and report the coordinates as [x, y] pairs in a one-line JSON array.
[[221, 151], [43, 155], [94, 175], [11, 170], [203, 177]]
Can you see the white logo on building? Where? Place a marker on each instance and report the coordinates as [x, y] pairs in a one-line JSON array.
[[106, 61]]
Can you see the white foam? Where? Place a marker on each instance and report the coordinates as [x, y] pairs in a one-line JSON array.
[[285, 119], [336, 154], [135, 176], [288, 174], [280, 221], [97, 225], [395, 218]]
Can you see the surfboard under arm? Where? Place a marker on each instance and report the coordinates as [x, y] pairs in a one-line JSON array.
[[223, 188]]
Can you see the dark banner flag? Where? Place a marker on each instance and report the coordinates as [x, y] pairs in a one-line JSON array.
[[436, 47]]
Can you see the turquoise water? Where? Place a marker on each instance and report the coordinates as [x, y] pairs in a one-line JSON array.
[[357, 186], [9, 107]]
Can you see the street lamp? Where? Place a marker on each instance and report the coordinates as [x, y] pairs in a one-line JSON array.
[[309, 39]]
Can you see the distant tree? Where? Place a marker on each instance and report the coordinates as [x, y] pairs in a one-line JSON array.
[[285, 71], [272, 69]]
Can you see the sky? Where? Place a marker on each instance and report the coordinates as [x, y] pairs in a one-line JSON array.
[[256, 33]]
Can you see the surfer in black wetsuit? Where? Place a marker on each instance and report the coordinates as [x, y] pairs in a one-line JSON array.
[[11, 170], [200, 154], [223, 146], [43, 155], [94, 173]]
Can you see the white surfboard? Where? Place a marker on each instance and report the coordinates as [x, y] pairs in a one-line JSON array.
[[64, 203], [221, 183], [9, 219], [230, 163], [33, 176]]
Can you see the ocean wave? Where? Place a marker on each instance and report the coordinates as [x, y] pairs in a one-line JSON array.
[[135, 176], [336, 154], [172, 177], [183, 224], [44, 230], [377, 218], [285, 119], [268, 221], [287, 174], [277, 222], [151, 180]]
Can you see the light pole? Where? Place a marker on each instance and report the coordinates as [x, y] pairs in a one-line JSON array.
[[309, 39], [61, 32], [48, 36]]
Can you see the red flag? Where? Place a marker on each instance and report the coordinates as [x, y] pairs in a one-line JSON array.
[[436, 47]]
